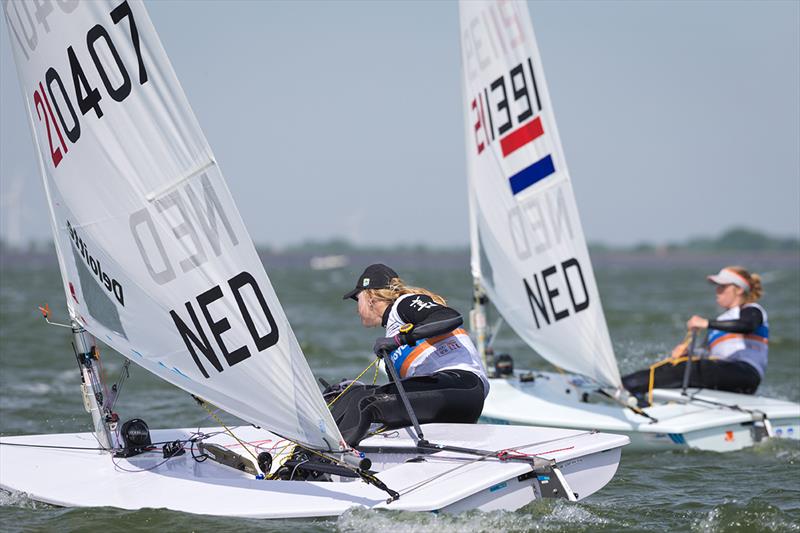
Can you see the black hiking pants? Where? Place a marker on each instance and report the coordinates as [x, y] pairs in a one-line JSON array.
[[717, 374], [446, 396]]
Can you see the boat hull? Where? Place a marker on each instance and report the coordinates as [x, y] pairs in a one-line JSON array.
[[704, 420], [68, 470]]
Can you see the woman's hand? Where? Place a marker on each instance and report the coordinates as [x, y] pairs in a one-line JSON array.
[[697, 322], [680, 350], [386, 344]]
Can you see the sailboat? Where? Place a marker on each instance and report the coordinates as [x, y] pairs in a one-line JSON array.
[[157, 264], [530, 260]]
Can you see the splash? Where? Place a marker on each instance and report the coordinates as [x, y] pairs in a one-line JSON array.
[[756, 515], [537, 516], [19, 499]]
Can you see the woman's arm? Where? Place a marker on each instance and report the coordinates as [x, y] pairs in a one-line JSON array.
[[429, 318], [750, 318]]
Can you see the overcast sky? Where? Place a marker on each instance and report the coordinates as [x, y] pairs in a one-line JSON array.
[[343, 119]]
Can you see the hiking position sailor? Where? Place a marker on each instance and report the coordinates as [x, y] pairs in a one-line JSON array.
[[737, 341], [435, 359]]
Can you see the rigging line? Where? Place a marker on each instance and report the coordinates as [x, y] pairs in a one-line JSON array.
[[638, 410], [124, 374], [291, 476], [117, 465], [22, 444], [489, 455], [365, 476], [205, 404], [352, 382], [102, 374], [733, 407]]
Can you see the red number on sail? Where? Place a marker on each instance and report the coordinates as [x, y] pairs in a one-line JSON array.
[[40, 101]]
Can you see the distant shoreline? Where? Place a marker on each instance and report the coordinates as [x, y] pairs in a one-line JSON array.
[[459, 259], [735, 246]]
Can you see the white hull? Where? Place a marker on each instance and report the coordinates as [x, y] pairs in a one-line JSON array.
[[453, 482], [705, 420]]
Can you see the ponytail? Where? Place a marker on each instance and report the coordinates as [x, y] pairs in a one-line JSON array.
[[754, 280]]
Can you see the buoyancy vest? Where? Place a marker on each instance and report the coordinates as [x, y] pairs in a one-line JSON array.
[[752, 348], [452, 350]]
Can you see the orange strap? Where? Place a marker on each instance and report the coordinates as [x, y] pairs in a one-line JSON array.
[[674, 361]]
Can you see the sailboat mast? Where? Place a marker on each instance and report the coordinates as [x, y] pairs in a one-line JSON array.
[[103, 420], [477, 315], [94, 401]]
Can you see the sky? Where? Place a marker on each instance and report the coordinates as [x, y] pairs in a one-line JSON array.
[[343, 119]]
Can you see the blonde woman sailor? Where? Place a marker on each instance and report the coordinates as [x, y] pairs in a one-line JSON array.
[[737, 341], [438, 365]]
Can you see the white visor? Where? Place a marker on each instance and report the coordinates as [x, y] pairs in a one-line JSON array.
[[729, 277]]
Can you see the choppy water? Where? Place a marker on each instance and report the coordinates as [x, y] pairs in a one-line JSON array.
[[647, 301]]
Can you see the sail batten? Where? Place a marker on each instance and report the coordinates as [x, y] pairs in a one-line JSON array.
[[154, 255], [528, 247]]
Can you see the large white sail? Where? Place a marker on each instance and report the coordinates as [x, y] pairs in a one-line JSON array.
[[155, 258], [528, 247]]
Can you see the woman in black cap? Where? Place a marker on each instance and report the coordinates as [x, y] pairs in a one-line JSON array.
[[737, 342], [435, 359]]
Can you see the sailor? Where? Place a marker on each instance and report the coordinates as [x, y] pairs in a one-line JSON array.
[[435, 359], [736, 343]]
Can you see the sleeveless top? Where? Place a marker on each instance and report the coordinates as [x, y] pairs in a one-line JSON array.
[[751, 348], [453, 350]]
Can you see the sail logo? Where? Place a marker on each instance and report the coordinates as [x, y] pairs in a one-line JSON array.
[[111, 284]]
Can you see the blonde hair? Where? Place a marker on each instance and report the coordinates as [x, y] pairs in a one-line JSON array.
[[754, 280], [398, 288]]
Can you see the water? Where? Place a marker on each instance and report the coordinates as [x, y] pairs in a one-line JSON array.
[[647, 301]]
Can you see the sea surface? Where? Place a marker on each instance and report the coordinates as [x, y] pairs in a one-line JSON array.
[[647, 300]]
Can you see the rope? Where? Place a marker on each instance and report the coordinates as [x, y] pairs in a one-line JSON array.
[[501, 455], [352, 382], [213, 415], [675, 361]]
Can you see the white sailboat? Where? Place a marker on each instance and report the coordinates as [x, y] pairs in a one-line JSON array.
[[529, 257], [157, 264]]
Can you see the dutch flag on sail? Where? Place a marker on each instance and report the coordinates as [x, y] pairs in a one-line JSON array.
[[538, 170]]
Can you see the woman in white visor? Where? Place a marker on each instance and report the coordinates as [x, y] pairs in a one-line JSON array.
[[736, 344]]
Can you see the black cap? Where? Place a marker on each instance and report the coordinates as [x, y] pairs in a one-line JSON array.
[[377, 276]]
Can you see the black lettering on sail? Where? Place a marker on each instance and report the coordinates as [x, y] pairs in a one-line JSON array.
[[237, 283], [220, 326], [573, 263], [208, 216], [118, 291], [191, 340], [552, 293], [532, 299]]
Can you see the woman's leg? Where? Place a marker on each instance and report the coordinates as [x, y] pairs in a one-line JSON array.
[[714, 374], [731, 376], [446, 396]]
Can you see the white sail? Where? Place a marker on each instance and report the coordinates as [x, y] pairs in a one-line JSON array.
[[528, 247], [155, 258]]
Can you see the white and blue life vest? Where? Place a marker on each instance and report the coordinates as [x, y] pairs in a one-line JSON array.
[[453, 350], [751, 348]]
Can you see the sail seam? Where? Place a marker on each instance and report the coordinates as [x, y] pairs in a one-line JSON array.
[[158, 193]]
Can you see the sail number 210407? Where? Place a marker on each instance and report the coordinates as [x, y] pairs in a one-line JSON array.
[[52, 99]]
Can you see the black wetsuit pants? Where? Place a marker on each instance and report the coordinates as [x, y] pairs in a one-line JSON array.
[[446, 396], [717, 374]]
